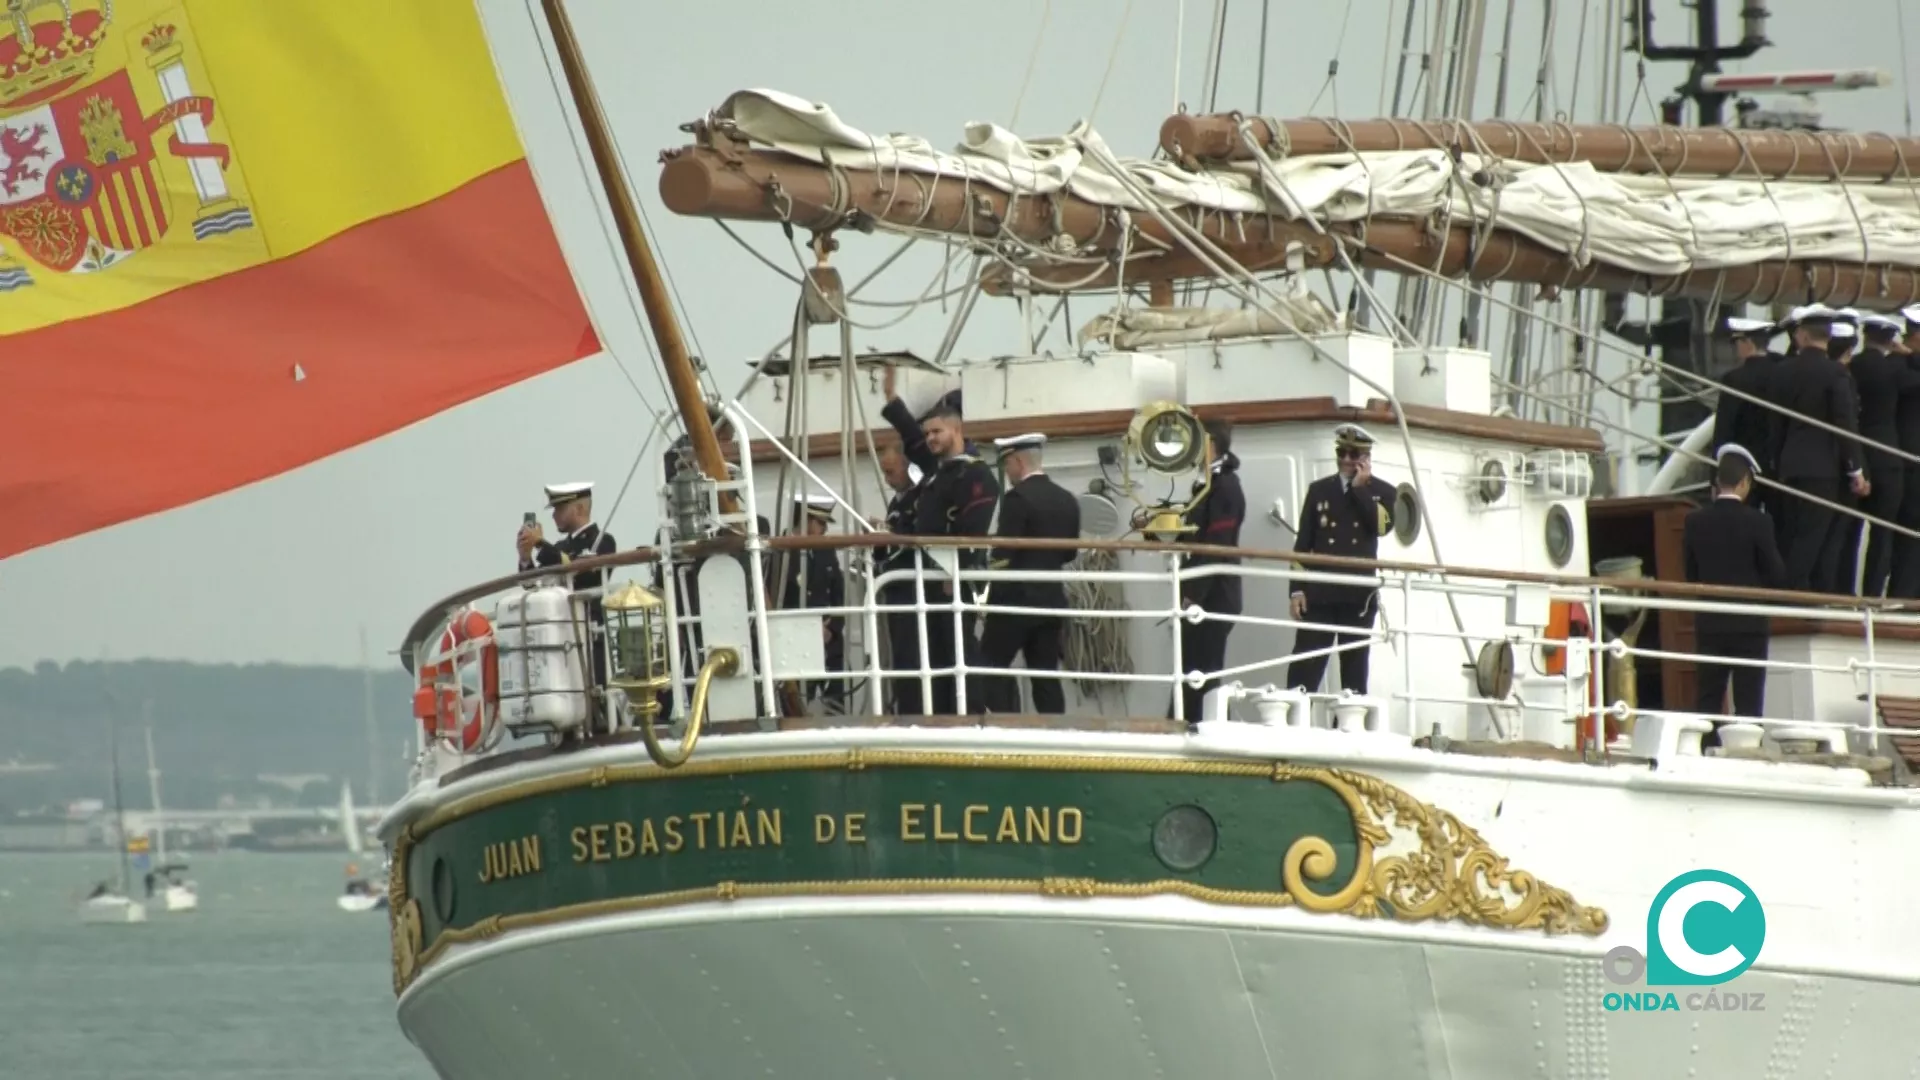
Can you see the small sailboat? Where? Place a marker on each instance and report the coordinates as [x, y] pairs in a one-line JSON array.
[[361, 893], [168, 887], [105, 905]]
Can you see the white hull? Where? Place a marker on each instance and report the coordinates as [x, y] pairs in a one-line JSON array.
[[176, 898], [112, 911], [1031, 987]]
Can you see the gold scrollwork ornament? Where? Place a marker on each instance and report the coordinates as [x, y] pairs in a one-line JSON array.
[[1454, 875], [406, 943]]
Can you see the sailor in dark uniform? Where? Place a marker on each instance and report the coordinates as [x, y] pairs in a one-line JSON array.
[[957, 500], [1033, 506], [1810, 459], [1906, 549], [572, 506], [826, 587], [1343, 514], [1738, 419], [1884, 381], [1727, 542], [1215, 520], [903, 630]]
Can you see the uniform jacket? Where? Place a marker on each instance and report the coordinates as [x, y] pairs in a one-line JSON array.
[[1812, 384], [1727, 542], [1039, 508], [1216, 520], [1744, 422], [826, 584], [1341, 519], [585, 542]]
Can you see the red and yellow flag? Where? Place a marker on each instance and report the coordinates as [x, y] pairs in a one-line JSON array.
[[240, 235]]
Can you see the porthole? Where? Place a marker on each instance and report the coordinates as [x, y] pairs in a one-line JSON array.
[[1493, 482], [1559, 535], [1406, 514], [440, 889], [1184, 838]]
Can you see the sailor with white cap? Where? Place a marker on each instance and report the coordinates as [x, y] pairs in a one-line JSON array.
[[1033, 507], [1343, 514], [1887, 385], [572, 506], [1727, 542], [1742, 416], [1812, 459], [825, 588]]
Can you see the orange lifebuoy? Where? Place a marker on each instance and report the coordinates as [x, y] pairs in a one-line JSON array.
[[458, 698]]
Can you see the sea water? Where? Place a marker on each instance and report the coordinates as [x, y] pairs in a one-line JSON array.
[[268, 980]]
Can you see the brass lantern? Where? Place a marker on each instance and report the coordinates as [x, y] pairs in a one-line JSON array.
[[637, 640], [1168, 439]]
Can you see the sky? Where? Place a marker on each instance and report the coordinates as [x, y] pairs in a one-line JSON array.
[[296, 567]]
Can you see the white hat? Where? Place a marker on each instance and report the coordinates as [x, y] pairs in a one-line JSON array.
[[1737, 325], [566, 493], [1882, 322], [1911, 314], [1812, 313], [1016, 443], [1738, 451], [820, 506], [1841, 330], [914, 473], [1352, 435], [1847, 313]]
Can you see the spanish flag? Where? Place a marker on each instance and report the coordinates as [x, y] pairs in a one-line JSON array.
[[240, 235]]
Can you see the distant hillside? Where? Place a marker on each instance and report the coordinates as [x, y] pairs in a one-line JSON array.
[[216, 729]]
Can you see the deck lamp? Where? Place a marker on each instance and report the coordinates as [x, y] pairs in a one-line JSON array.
[[637, 639], [1167, 438]]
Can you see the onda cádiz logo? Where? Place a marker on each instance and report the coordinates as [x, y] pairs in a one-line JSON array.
[[1705, 927]]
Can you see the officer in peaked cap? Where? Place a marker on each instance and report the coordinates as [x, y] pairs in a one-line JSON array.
[[1726, 542], [1740, 418], [1033, 507], [1810, 459], [572, 509], [1888, 390], [1344, 514], [825, 587]]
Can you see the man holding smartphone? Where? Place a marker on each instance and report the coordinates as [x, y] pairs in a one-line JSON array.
[[572, 506]]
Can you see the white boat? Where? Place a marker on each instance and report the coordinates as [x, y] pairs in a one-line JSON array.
[[112, 909], [109, 903], [1482, 867], [168, 888], [361, 894]]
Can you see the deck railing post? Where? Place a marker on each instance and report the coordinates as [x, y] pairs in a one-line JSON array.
[[1873, 689], [876, 696], [1179, 619]]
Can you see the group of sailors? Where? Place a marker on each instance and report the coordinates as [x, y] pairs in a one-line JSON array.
[[1858, 374]]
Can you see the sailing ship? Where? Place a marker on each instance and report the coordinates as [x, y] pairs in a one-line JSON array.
[[361, 892], [168, 887], [111, 903], [1484, 866]]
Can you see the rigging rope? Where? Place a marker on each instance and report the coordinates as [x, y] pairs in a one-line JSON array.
[[1033, 59], [1113, 54], [1096, 645]]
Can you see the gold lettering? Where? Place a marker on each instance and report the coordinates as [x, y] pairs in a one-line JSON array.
[[823, 828], [720, 829], [1009, 830], [966, 824], [741, 837], [700, 828], [675, 841], [530, 851], [856, 828], [520, 856], [910, 827], [649, 843], [598, 834], [486, 864], [1070, 822], [769, 827], [579, 837], [940, 831], [514, 866], [1040, 823], [623, 839]]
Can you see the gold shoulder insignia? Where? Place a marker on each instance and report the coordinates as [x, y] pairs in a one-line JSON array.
[[1386, 518]]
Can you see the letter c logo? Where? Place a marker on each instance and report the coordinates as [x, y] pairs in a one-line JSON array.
[[1704, 927]]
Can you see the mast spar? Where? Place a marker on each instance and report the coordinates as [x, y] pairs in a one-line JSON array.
[[633, 239], [721, 176]]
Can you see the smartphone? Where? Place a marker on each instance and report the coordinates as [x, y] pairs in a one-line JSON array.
[[531, 518]]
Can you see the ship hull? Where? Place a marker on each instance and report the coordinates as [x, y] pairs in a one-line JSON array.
[[936, 988]]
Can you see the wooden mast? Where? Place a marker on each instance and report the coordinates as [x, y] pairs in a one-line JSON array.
[[633, 238]]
